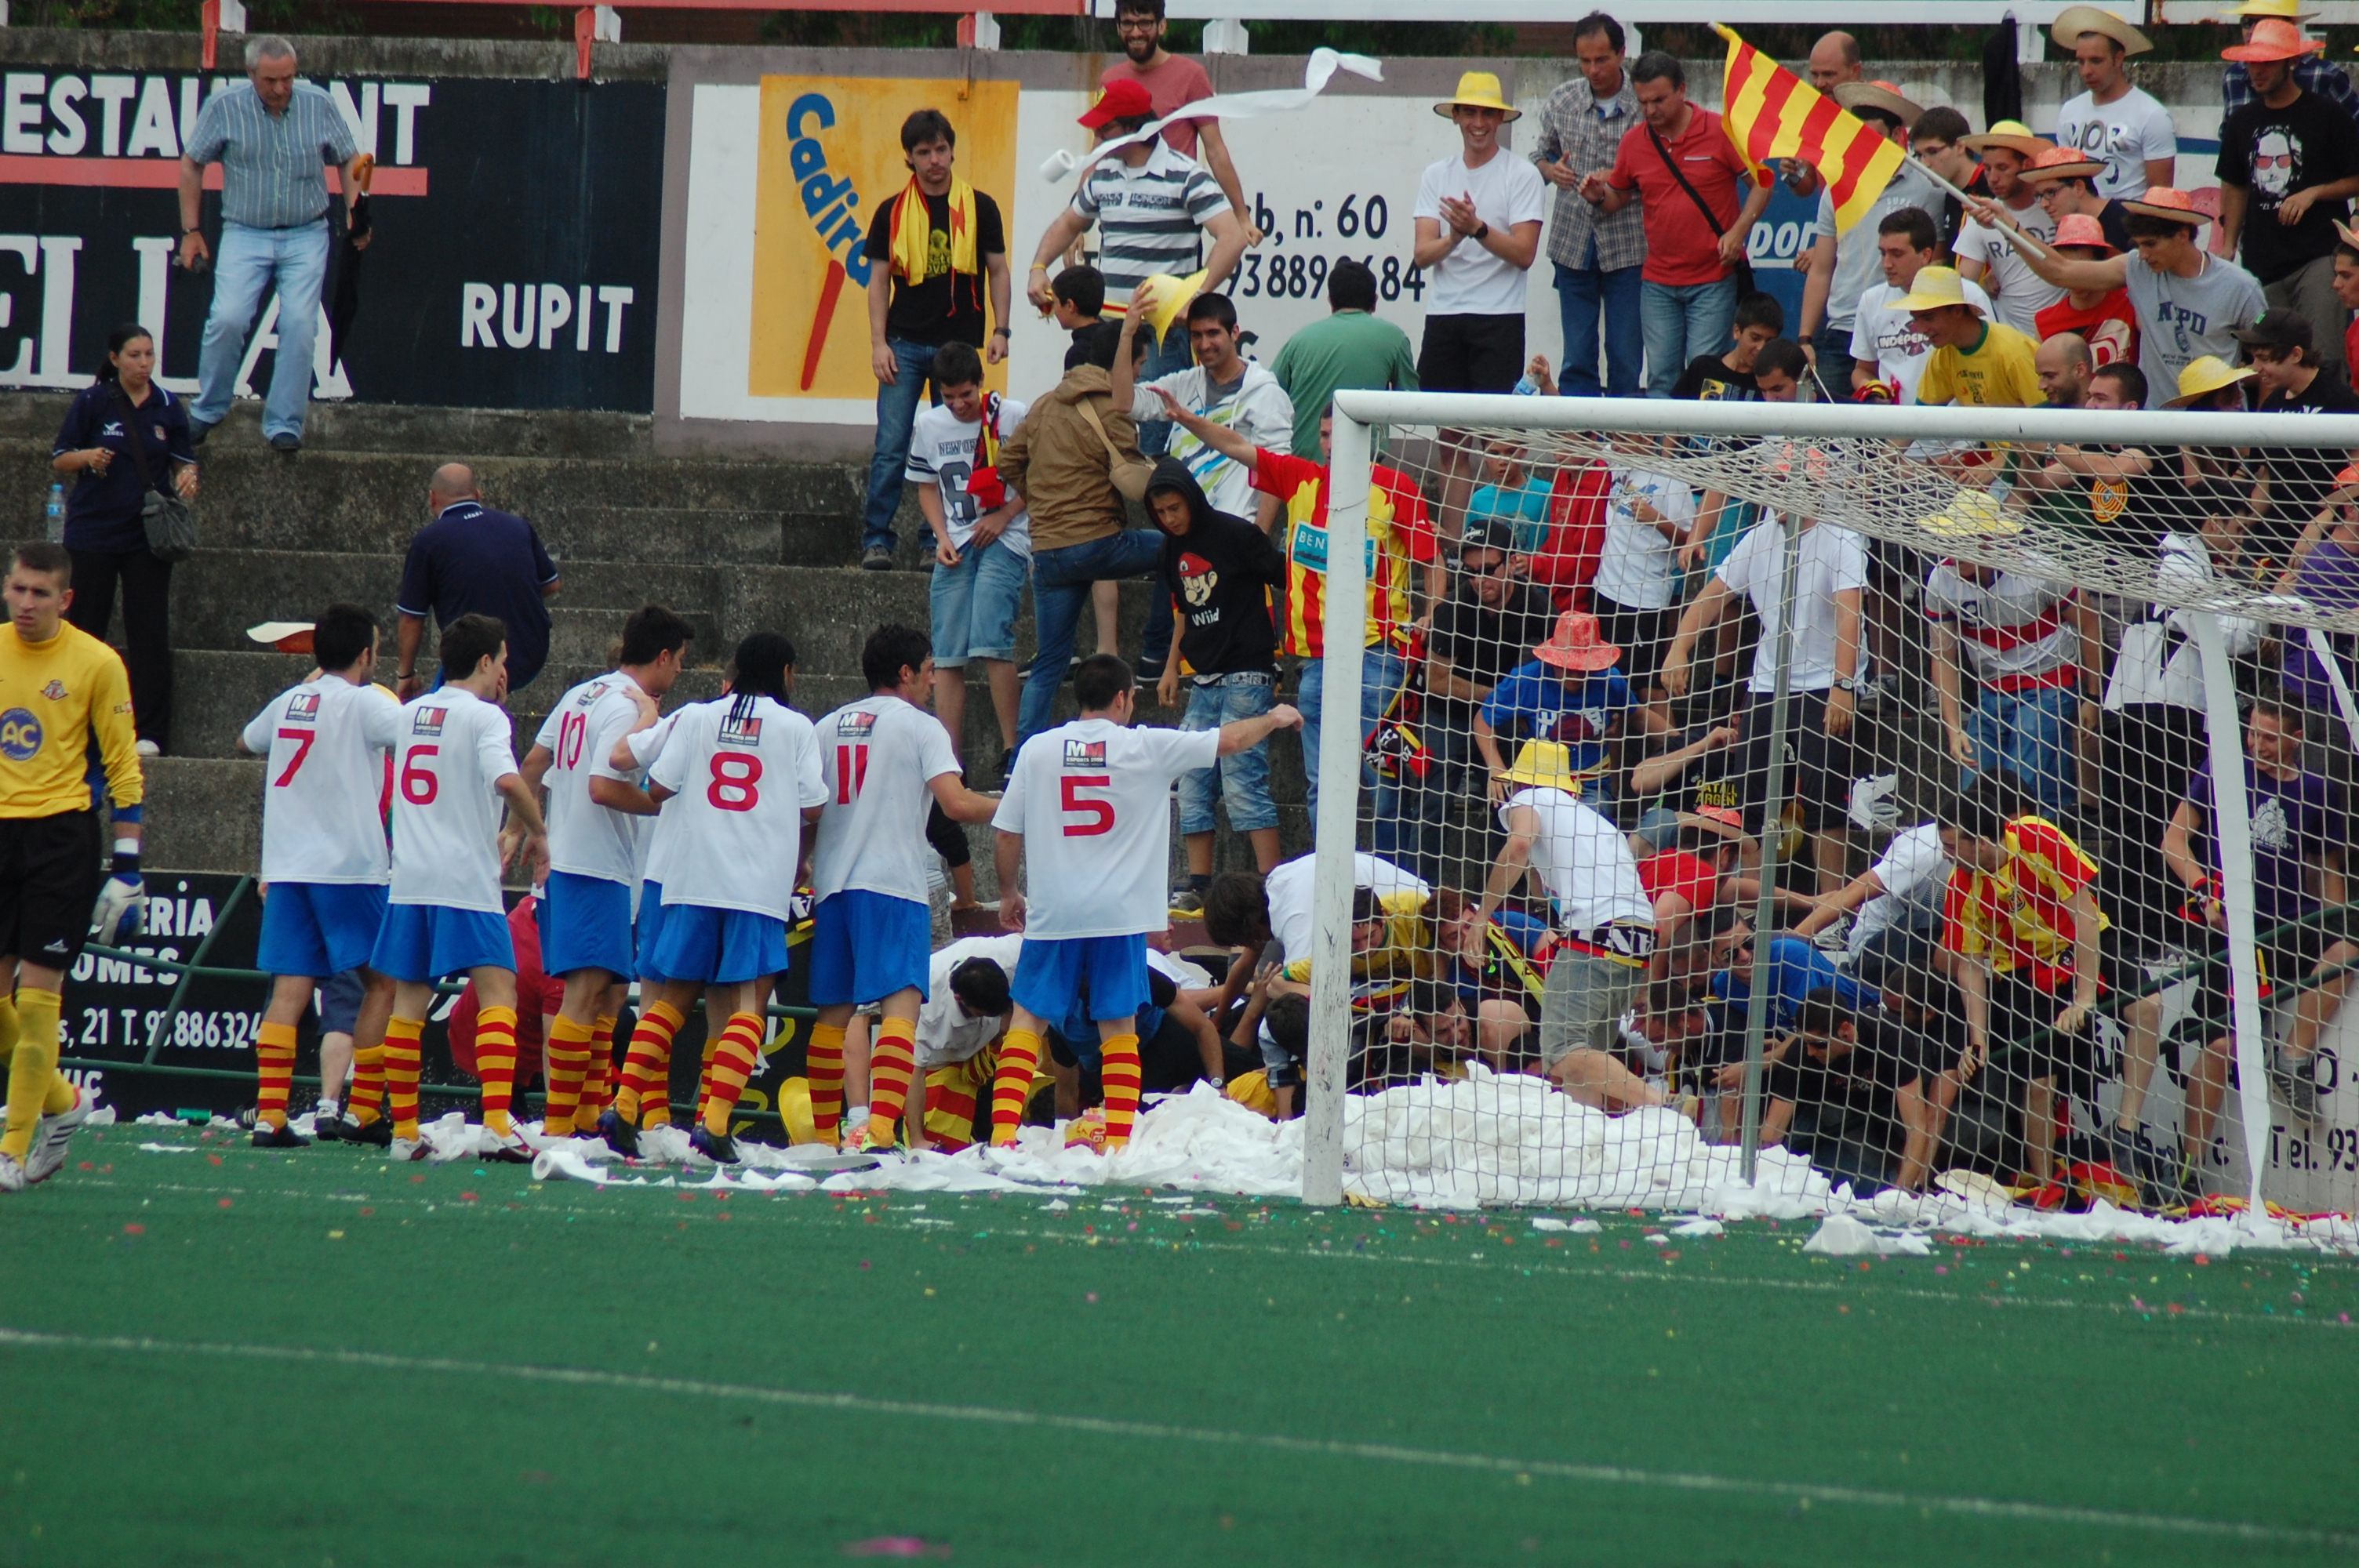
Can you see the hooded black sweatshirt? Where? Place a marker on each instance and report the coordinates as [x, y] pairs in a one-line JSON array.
[[1220, 577]]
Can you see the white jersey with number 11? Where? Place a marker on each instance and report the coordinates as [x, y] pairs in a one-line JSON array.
[[1093, 800], [882, 755]]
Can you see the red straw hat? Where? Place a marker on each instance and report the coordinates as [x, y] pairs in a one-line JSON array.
[[2080, 229], [2062, 163], [2275, 37], [1577, 644], [2167, 201]]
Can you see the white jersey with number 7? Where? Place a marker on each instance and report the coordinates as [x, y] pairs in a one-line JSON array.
[[1093, 800], [328, 742], [446, 817], [741, 771]]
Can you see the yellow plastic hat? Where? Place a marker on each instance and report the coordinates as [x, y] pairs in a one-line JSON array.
[[1252, 1091], [1543, 764], [795, 1110], [1167, 297], [2203, 376], [1937, 287], [1971, 514], [1478, 90], [2289, 9]]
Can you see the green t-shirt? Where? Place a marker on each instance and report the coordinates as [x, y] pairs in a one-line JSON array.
[[1348, 348]]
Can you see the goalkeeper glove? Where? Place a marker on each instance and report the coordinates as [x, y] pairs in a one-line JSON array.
[[121, 902]]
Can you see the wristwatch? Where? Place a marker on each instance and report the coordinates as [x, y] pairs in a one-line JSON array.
[[1848, 683], [1481, 233]]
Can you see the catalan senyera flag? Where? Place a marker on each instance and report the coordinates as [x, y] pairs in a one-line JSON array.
[[1773, 114]]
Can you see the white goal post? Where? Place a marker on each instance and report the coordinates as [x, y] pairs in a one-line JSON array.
[[1879, 472]]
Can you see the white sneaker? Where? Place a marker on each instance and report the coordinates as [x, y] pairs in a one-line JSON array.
[[401, 1150], [12, 1175], [509, 1147], [51, 1136]]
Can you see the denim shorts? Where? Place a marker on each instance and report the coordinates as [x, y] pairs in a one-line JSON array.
[[974, 605], [1243, 777]]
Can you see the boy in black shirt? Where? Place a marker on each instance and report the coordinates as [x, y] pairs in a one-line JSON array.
[[1219, 570], [1728, 377]]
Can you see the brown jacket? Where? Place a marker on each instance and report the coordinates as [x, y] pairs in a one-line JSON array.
[[1058, 463]]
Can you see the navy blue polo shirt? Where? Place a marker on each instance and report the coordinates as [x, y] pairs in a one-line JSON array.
[[103, 513], [472, 560]]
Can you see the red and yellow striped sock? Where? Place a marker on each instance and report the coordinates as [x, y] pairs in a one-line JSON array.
[[1119, 1072], [649, 1063], [733, 1056], [594, 1091], [1011, 1086], [368, 1085], [891, 1062], [704, 1068], [495, 1058], [401, 1057], [823, 1070], [568, 1060], [273, 1056]]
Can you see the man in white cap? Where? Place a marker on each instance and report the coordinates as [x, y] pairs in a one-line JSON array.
[[1841, 273], [2123, 126], [2289, 166], [2314, 73], [1984, 253]]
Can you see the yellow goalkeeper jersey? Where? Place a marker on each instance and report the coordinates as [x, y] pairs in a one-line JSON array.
[[54, 696]]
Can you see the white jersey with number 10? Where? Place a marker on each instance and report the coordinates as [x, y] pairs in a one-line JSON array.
[[740, 777], [585, 839], [446, 817], [882, 756], [1093, 800]]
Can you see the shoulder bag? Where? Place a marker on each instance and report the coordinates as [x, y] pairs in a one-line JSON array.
[[1743, 269], [1129, 474], [171, 528]]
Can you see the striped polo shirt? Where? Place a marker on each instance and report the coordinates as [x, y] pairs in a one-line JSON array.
[[271, 164], [1150, 219], [2017, 631]]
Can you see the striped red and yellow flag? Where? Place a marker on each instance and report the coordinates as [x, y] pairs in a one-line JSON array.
[[1773, 114]]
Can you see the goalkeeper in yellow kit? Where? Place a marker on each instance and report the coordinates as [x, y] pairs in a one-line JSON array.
[[64, 694]]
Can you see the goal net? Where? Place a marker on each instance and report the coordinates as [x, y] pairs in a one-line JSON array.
[[1756, 798]]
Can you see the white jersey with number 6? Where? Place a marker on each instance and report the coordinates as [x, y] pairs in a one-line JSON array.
[[741, 771], [452, 749], [585, 837], [327, 741], [1093, 800], [881, 756]]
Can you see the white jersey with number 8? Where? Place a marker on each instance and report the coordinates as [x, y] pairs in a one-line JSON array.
[[446, 815], [1093, 800], [585, 837], [327, 741], [740, 773], [881, 756]]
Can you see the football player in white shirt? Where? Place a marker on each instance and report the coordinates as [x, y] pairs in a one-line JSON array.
[[595, 844], [1088, 809], [455, 760], [885, 761], [739, 777], [323, 861], [1604, 920]]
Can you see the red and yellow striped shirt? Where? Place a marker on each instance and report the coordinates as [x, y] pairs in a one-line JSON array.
[[1399, 531], [2018, 916]]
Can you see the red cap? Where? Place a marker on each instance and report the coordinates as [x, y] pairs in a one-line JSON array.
[[1124, 99]]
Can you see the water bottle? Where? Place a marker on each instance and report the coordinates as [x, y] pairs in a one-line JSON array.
[[55, 513], [1527, 387]]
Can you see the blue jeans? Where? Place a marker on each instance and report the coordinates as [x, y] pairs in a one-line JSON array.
[[1154, 640], [1681, 321], [973, 605], [1061, 592], [1410, 816], [2030, 733], [897, 410], [250, 261], [1169, 356], [1243, 777], [1582, 293], [1381, 672]]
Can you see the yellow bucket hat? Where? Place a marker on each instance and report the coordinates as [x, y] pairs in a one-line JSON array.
[[1937, 287], [2203, 376], [1971, 514], [1544, 764]]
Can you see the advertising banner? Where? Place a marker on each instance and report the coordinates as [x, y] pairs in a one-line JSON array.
[[514, 262]]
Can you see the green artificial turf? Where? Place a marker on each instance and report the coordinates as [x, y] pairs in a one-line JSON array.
[[226, 1357]]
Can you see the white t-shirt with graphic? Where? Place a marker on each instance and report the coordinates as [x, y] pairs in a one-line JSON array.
[[2123, 135], [453, 747], [879, 757], [1635, 566], [1886, 336], [325, 743], [1256, 406], [2018, 293], [943, 453], [1093, 800]]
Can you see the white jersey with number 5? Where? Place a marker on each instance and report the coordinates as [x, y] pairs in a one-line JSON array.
[[1093, 800], [741, 771], [446, 815], [881, 756], [585, 837], [327, 741]]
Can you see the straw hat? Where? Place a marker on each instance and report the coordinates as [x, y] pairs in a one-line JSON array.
[[1543, 764], [2251, 8], [2203, 376], [2061, 163], [1971, 514], [1937, 287], [2080, 229], [2010, 134], [1170, 298], [1577, 644], [1478, 90], [2274, 38], [2166, 202], [2074, 20], [1881, 95], [2346, 233]]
